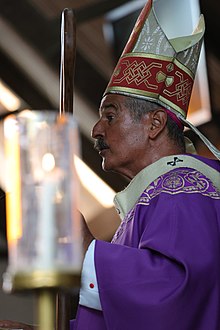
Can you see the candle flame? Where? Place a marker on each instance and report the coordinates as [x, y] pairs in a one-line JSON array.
[[48, 162]]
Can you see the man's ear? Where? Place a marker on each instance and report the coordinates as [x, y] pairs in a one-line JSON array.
[[158, 120]]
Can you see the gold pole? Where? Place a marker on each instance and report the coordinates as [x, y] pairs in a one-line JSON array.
[[46, 309]]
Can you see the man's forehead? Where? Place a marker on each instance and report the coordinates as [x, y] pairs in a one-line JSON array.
[[111, 99]]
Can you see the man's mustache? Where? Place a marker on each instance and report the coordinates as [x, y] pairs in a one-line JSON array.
[[100, 144]]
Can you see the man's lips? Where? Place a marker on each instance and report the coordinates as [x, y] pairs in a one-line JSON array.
[[103, 152]]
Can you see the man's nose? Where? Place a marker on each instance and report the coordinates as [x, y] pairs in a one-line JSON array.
[[97, 130]]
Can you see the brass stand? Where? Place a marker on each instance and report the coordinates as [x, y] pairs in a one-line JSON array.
[[46, 299], [39, 280], [45, 285]]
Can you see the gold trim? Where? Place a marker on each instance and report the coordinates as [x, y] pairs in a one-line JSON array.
[[155, 97], [148, 55], [39, 280], [172, 105], [131, 90], [184, 68]]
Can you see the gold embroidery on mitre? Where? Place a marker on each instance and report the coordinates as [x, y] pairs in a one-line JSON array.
[[117, 72], [160, 77], [170, 105], [169, 81], [170, 67], [182, 90], [138, 73]]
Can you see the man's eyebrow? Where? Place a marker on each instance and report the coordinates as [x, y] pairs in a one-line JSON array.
[[107, 106]]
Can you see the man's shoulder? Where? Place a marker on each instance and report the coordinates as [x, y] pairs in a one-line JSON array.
[[168, 175], [180, 181], [184, 169]]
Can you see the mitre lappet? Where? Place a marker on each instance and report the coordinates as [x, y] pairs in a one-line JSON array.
[[159, 69]]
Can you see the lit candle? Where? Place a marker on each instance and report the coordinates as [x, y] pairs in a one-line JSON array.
[[46, 243]]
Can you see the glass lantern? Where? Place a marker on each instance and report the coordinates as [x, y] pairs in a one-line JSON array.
[[41, 184]]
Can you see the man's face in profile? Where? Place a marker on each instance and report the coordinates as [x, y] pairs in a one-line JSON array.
[[120, 140]]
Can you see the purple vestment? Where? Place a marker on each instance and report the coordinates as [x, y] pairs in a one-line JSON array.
[[162, 269]]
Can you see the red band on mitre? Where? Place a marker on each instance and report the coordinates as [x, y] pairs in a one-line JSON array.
[[154, 79]]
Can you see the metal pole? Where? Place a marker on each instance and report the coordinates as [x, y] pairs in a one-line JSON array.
[[67, 67], [63, 311], [46, 299], [67, 63]]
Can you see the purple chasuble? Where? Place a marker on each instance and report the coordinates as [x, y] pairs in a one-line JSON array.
[[162, 269]]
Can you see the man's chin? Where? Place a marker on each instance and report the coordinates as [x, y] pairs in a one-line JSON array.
[[106, 166], [110, 168]]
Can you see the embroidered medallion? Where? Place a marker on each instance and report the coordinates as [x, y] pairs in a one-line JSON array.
[[180, 181]]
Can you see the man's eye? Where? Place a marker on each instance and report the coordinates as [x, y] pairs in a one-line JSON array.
[[110, 118]]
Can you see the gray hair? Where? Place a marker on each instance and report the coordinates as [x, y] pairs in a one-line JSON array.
[[138, 107]]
